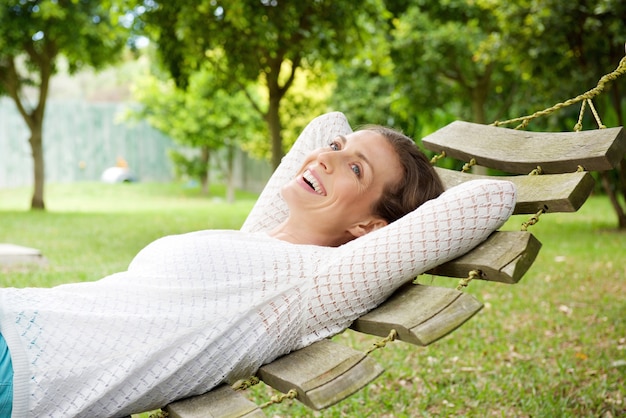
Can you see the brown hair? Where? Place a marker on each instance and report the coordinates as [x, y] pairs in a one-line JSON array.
[[419, 182]]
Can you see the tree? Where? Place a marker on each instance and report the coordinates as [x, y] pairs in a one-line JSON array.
[[262, 40], [451, 55], [365, 80], [202, 118], [33, 34]]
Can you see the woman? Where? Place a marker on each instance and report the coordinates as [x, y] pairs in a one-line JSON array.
[[198, 309], [360, 182]]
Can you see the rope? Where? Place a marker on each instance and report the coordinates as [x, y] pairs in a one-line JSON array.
[[437, 157], [536, 172], [381, 343], [588, 95], [280, 398], [469, 165], [533, 220], [579, 124], [244, 384], [463, 283], [595, 115]]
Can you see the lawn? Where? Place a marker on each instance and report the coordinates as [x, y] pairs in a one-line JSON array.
[[552, 345], [92, 229]]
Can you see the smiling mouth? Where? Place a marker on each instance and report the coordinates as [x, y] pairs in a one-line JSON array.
[[310, 179]]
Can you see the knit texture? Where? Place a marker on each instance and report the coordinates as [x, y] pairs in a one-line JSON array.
[[198, 309]]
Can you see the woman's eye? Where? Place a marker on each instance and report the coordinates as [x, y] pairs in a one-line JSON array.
[[356, 169], [334, 145]]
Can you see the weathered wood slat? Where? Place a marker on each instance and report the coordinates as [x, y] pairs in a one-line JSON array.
[[323, 373], [504, 257], [551, 192], [519, 152], [221, 402], [420, 314]]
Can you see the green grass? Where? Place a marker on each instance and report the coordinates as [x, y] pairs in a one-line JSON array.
[[553, 345], [91, 229]]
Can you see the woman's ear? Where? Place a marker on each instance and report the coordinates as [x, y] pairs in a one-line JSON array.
[[362, 228]]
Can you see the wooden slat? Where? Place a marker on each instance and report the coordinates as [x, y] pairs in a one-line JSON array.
[[221, 402], [420, 314], [504, 257], [519, 152], [550, 192], [323, 373]]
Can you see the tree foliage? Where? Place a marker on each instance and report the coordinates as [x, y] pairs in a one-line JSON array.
[[365, 80], [203, 119], [264, 40], [413, 64], [33, 34], [452, 55]]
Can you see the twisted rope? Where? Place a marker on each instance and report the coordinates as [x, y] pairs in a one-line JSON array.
[[280, 398], [437, 157], [588, 95], [244, 384], [463, 283], [467, 166], [595, 115], [381, 343], [533, 220]]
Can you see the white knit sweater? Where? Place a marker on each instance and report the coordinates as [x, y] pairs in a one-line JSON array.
[[191, 311], [198, 309]]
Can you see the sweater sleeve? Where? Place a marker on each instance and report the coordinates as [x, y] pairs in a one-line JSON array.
[[361, 274]]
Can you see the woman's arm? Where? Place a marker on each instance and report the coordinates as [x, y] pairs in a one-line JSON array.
[[361, 274], [270, 209]]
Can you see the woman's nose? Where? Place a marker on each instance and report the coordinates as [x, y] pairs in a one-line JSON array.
[[326, 159]]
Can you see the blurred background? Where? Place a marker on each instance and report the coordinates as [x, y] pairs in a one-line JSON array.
[[217, 91]]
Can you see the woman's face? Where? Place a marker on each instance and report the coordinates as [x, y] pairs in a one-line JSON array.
[[337, 185]]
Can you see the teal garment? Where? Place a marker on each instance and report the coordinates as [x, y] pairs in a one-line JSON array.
[[6, 380]]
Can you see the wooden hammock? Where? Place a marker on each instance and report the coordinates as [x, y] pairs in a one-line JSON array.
[[327, 372]]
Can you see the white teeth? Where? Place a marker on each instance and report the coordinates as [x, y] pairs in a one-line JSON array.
[[312, 181]]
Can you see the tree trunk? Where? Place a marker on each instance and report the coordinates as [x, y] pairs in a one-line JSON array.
[[479, 115], [36, 146], [273, 122], [621, 168], [621, 187], [230, 178], [276, 93], [478, 107], [12, 82], [613, 190], [205, 157]]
